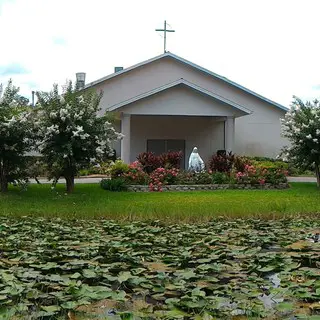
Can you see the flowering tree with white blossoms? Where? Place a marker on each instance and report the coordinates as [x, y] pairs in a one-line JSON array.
[[70, 132], [16, 132], [301, 126]]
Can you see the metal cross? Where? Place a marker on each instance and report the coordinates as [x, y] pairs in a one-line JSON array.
[[165, 30]]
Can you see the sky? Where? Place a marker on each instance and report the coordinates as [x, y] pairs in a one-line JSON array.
[[269, 46]]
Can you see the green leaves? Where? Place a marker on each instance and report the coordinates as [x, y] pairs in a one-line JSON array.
[[89, 274], [301, 126], [70, 133], [214, 270]]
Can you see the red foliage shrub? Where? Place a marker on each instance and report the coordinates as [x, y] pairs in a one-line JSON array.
[[221, 163], [225, 162], [171, 159], [149, 161]]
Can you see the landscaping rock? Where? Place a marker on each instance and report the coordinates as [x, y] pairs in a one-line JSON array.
[[209, 187]]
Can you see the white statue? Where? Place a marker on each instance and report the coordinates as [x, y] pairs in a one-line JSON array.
[[196, 164]]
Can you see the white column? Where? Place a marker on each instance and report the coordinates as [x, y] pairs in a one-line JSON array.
[[125, 142], [229, 134]]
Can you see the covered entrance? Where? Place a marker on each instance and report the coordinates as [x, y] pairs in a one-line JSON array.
[[177, 115]]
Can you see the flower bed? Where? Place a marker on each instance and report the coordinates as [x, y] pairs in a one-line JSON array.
[[227, 171]]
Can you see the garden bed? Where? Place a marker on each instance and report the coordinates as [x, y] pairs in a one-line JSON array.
[[210, 187]]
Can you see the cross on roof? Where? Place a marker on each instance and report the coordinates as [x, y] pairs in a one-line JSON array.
[[165, 30]]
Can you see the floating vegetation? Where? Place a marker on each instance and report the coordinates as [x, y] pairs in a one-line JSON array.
[[101, 269]]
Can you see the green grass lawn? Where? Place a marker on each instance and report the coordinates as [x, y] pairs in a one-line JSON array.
[[90, 201]]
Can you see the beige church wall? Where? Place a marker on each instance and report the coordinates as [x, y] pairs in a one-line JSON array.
[[259, 134], [256, 134], [206, 133], [180, 100]]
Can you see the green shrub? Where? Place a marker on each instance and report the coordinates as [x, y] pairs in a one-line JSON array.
[[219, 178], [84, 172], [185, 177], [202, 178], [271, 164], [116, 184], [101, 168], [118, 169]]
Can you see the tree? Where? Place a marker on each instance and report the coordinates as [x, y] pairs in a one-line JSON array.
[[301, 126], [15, 137], [71, 135]]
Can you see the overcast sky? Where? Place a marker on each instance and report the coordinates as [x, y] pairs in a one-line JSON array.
[[268, 46]]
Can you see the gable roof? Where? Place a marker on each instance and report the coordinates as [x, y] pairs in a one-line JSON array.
[[193, 65], [174, 84]]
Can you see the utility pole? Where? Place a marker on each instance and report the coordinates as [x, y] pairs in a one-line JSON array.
[[165, 30]]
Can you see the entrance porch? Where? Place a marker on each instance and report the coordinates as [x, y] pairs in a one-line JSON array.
[[162, 133]]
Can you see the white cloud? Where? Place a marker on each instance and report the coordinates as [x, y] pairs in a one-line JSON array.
[[269, 46]]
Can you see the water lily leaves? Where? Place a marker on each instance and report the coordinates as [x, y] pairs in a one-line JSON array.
[[70, 305], [51, 309], [89, 273], [175, 314], [76, 275], [124, 276], [197, 292], [185, 274], [218, 270], [266, 269]]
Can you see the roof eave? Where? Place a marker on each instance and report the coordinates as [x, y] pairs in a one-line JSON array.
[[187, 62]]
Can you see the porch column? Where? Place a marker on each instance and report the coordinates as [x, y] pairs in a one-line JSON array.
[[229, 134], [125, 142]]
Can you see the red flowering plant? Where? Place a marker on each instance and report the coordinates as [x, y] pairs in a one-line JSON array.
[[275, 175], [136, 175], [162, 176], [261, 175], [251, 175]]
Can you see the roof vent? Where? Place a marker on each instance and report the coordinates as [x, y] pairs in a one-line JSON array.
[[80, 80], [117, 69]]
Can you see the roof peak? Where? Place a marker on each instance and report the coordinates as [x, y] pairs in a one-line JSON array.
[[193, 65]]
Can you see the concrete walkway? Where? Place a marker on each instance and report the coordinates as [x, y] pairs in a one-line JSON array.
[[77, 180], [302, 179], [98, 179]]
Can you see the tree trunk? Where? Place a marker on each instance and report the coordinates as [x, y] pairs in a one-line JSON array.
[[4, 183], [37, 180], [70, 183], [318, 174], [3, 179]]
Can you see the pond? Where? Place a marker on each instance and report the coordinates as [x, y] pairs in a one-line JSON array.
[[73, 269]]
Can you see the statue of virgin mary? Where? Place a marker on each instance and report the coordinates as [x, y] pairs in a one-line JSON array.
[[196, 164]]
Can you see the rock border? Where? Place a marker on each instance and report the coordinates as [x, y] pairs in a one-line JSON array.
[[210, 187]]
